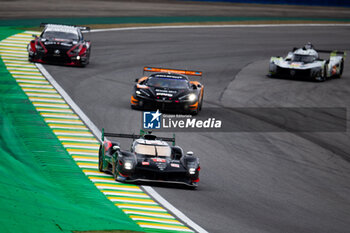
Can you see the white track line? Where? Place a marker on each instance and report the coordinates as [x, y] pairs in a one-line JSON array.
[[223, 26], [89, 160], [69, 101], [172, 208], [69, 116], [93, 173], [76, 139], [161, 215]]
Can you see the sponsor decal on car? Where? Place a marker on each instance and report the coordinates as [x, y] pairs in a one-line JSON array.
[[166, 91], [164, 94], [175, 165], [159, 160], [295, 64]]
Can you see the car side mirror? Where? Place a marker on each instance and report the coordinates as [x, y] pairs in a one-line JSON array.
[[136, 80], [189, 153], [116, 147]]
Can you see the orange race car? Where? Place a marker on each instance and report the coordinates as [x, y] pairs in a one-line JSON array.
[[169, 90]]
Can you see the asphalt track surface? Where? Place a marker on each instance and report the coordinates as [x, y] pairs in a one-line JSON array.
[[250, 182]]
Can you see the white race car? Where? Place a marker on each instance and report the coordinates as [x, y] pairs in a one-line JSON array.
[[305, 63]]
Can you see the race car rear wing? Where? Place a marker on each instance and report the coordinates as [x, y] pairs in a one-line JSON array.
[[82, 29], [142, 134], [166, 70], [332, 52]]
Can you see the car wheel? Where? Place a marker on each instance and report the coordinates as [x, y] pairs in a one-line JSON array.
[[195, 112], [88, 58], [323, 75], [201, 103], [341, 68], [193, 186], [87, 61], [100, 161], [114, 172]]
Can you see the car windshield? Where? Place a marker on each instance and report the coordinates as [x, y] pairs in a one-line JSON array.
[[303, 58], [167, 83], [153, 150], [60, 35]]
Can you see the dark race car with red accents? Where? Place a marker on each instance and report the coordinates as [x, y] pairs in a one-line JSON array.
[[60, 44], [168, 90], [151, 159]]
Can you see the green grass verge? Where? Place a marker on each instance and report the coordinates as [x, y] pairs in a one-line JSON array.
[[41, 187], [104, 231]]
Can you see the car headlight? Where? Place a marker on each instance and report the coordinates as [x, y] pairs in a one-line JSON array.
[[192, 97], [141, 92], [39, 47], [75, 50], [128, 165]]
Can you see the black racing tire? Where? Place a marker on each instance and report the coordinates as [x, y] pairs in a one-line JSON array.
[[85, 63], [195, 112], [138, 106], [115, 172], [341, 68], [270, 75], [201, 102], [323, 75], [88, 60], [192, 186], [31, 58], [88, 57], [100, 162]]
